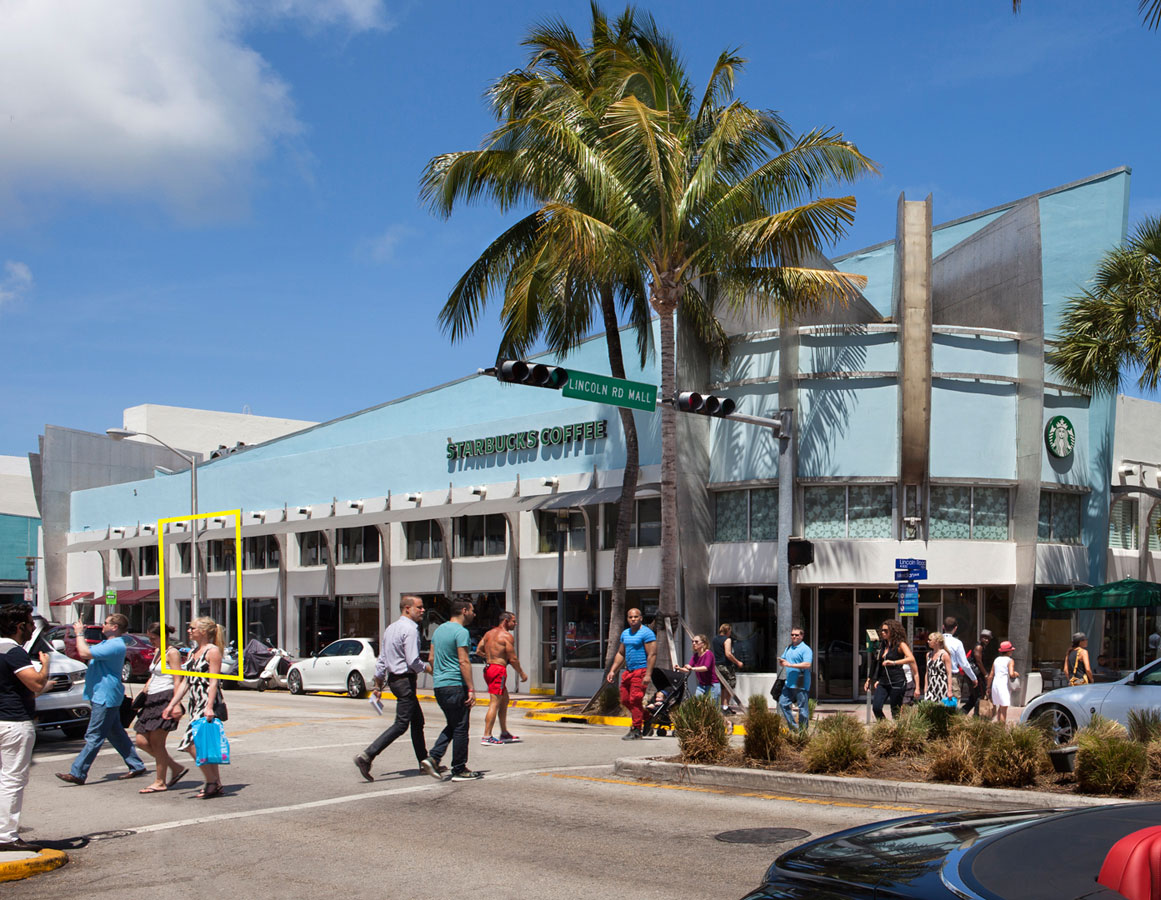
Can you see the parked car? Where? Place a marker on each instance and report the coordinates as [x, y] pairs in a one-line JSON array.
[[1067, 709], [347, 664], [138, 657], [969, 855], [93, 635], [62, 703]]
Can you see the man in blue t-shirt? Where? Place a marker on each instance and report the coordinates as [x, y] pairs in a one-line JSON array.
[[638, 653], [104, 691], [796, 662], [451, 676]]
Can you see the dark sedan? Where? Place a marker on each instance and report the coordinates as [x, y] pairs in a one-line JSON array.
[[138, 657], [1039, 854]]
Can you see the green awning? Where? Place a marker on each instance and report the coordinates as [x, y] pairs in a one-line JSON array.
[[1118, 595]]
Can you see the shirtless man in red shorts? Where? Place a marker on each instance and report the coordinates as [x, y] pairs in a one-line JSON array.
[[498, 648]]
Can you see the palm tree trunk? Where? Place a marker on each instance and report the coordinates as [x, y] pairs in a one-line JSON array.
[[628, 484], [667, 602]]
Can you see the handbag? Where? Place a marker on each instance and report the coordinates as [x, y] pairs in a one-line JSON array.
[[128, 713], [220, 711], [780, 681], [1074, 679], [210, 744], [950, 703]]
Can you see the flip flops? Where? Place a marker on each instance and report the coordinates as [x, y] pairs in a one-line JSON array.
[[176, 778]]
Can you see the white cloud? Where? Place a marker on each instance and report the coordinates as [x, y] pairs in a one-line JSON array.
[[381, 247], [15, 281], [157, 99]]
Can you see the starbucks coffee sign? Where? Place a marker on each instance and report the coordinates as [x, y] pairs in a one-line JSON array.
[[1060, 437], [529, 440]]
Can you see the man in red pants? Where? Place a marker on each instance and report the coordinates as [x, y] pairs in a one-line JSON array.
[[638, 653]]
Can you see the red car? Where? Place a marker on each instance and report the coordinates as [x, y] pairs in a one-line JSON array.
[[138, 651]]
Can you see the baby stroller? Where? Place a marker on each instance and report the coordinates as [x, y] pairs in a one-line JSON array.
[[657, 716]]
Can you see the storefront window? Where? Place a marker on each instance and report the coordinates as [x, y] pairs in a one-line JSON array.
[[963, 604], [731, 515], [752, 612], [488, 605], [1051, 633], [1123, 525], [951, 513], [869, 511], [825, 511], [359, 616], [424, 539], [546, 526], [262, 619], [585, 629]]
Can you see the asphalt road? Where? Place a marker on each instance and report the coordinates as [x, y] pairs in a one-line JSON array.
[[548, 820]]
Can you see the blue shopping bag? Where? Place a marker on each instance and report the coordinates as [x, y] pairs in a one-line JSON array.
[[210, 744]]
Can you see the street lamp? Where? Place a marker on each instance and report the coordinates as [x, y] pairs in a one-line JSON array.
[[119, 434], [562, 522]]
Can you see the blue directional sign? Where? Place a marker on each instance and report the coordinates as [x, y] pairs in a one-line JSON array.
[[908, 599], [910, 574], [910, 563]]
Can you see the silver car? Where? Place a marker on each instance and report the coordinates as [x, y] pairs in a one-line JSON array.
[[1067, 709]]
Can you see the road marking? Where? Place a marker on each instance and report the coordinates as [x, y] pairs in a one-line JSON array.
[[334, 801], [298, 749], [757, 795], [265, 728]]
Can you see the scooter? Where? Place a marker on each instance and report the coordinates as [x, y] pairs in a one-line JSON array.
[[276, 670]]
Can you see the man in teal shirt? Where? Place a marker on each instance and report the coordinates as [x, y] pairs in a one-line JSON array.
[[797, 661], [104, 691], [451, 672]]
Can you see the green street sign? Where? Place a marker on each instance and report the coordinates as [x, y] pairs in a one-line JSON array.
[[613, 391], [110, 597]]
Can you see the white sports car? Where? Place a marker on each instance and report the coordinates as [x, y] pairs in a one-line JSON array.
[[347, 664], [1070, 708]]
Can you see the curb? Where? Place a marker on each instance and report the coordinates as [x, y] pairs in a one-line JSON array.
[[868, 790], [587, 719], [44, 861]]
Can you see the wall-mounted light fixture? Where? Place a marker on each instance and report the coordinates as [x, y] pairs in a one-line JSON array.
[[550, 482], [480, 490], [413, 498], [260, 516], [302, 510], [356, 504]]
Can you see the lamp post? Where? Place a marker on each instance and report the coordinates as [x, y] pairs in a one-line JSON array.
[[119, 434], [562, 519]]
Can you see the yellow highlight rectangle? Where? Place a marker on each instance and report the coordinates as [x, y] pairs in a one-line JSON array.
[[237, 514]]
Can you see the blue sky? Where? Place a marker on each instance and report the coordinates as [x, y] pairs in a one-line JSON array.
[[214, 204]]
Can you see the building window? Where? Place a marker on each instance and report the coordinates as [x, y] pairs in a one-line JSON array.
[[219, 556], [748, 515], [358, 545], [856, 511], [1123, 525], [644, 529], [1059, 520], [480, 535], [261, 552], [1154, 524], [546, 525], [147, 560], [183, 558], [961, 513], [312, 549], [262, 619], [125, 561], [424, 539], [359, 615]]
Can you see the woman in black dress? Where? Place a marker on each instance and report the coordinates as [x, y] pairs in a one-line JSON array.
[[205, 658], [887, 672], [153, 727]]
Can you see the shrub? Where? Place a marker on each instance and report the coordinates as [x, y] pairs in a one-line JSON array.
[[939, 717], [839, 744], [764, 739], [701, 729], [797, 738], [979, 733], [1144, 725], [951, 760], [1107, 762], [905, 736], [1013, 758], [1153, 752]]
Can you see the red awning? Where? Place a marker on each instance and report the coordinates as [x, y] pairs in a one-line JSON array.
[[135, 598], [75, 597]]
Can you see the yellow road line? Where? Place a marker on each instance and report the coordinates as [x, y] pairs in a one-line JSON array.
[[755, 794], [265, 728]]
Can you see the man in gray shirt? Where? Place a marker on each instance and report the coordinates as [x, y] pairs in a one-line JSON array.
[[399, 664]]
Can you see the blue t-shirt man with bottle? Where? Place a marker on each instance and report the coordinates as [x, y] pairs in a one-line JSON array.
[[796, 663]]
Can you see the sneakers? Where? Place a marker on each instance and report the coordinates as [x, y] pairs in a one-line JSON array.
[[488, 741], [430, 767], [633, 735], [364, 766], [506, 738], [466, 775]]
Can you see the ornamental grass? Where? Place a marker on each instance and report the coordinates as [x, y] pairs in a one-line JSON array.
[[701, 729], [765, 735], [838, 744]]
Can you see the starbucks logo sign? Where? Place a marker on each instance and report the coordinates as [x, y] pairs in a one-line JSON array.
[[1059, 437]]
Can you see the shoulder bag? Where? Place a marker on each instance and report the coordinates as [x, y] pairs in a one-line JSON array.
[[1073, 678], [780, 681]]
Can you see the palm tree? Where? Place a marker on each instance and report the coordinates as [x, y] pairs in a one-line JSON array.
[[1115, 325], [702, 198]]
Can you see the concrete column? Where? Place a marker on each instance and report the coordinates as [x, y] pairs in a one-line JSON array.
[[912, 306]]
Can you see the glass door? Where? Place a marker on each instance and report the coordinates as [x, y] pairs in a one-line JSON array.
[[834, 650], [548, 644], [868, 619], [318, 624]]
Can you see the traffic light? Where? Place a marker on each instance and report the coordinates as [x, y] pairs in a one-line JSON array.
[[799, 552], [706, 405], [517, 371]]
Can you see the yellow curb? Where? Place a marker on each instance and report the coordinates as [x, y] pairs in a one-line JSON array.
[[485, 700], [45, 861]]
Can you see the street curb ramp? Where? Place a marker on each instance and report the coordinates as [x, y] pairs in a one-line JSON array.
[[44, 861], [864, 790]]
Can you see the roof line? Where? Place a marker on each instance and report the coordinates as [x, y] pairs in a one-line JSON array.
[[1101, 176]]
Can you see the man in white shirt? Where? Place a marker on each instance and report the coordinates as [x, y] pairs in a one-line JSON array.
[[20, 682], [399, 664], [960, 667]]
